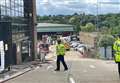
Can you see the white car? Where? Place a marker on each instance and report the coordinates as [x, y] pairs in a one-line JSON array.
[[81, 50], [66, 38], [74, 44], [83, 46], [71, 42]]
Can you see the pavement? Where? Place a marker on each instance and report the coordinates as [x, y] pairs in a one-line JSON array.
[[41, 75], [81, 70], [17, 70]]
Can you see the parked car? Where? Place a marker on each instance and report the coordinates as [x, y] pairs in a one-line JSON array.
[[74, 38], [74, 44], [80, 46], [81, 50]]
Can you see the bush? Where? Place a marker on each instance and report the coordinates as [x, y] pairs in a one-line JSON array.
[[105, 40]]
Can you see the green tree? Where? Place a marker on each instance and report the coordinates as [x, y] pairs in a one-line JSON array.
[[89, 27], [115, 30], [105, 41], [107, 23], [75, 20]]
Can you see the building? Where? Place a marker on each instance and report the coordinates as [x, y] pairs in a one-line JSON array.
[[17, 30], [53, 29]]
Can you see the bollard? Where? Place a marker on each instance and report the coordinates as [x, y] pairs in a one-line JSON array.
[[9, 68]]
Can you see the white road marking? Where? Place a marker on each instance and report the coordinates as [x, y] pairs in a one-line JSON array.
[[37, 67], [49, 67], [92, 66], [71, 80]]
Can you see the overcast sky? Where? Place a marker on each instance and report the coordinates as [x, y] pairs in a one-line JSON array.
[[67, 7]]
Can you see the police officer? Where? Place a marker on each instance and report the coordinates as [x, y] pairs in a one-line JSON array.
[[60, 51], [116, 48]]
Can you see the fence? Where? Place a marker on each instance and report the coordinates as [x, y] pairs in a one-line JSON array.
[[106, 55]]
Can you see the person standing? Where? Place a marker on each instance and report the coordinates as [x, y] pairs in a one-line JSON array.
[[44, 49], [60, 51], [116, 48]]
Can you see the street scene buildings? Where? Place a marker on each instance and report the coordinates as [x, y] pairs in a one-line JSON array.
[[16, 28], [36, 35]]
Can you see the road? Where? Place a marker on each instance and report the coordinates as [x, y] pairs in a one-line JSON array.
[[81, 70]]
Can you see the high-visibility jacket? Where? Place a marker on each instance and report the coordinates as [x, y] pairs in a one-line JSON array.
[[116, 48], [60, 49]]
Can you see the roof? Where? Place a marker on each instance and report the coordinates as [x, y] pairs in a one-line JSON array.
[[52, 25]]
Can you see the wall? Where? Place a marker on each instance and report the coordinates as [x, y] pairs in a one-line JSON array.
[[108, 52], [88, 38]]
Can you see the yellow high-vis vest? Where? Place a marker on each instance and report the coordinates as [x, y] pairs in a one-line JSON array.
[[60, 49], [116, 48]]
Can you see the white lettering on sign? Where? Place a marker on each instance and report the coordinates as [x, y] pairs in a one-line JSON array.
[[2, 55], [6, 47]]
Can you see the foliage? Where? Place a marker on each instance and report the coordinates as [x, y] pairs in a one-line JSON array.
[[105, 40], [75, 20], [115, 30], [88, 28], [107, 23]]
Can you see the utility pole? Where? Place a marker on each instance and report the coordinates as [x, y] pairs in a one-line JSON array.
[[97, 6], [34, 31], [30, 14], [82, 14]]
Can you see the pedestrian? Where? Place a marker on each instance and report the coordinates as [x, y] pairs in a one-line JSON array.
[[60, 51], [38, 49], [44, 49], [116, 48]]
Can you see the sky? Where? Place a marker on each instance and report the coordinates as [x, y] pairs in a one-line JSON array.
[[68, 7]]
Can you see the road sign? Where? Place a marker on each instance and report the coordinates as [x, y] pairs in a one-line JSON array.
[[2, 55]]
